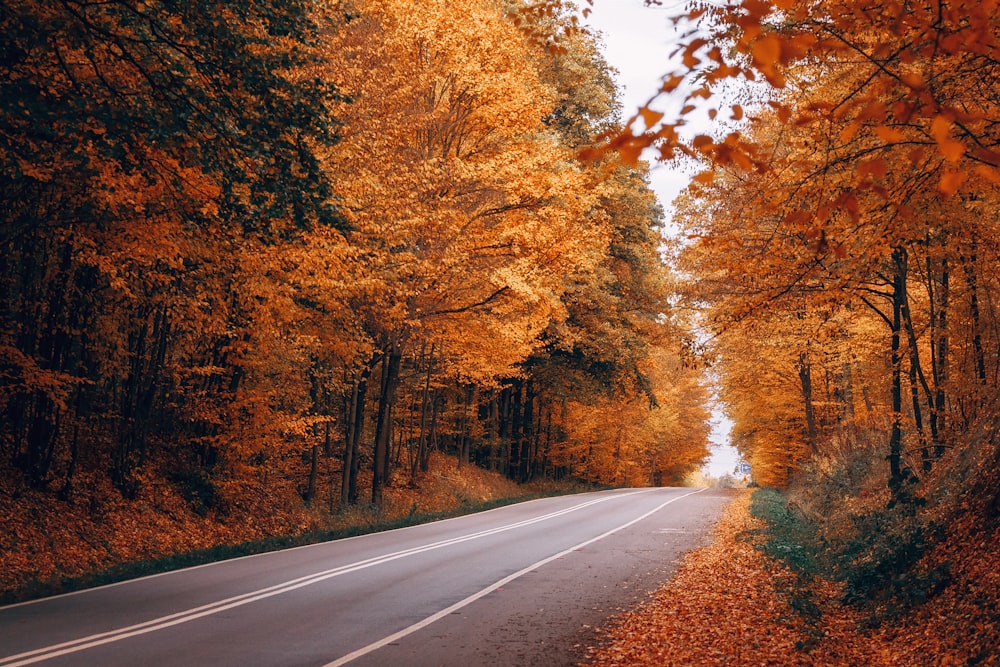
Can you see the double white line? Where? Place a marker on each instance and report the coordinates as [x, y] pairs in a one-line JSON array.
[[90, 641], [364, 650]]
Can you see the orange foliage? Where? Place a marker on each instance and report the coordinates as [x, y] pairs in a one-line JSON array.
[[262, 256]]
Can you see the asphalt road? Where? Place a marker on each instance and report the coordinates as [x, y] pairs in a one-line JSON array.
[[520, 585]]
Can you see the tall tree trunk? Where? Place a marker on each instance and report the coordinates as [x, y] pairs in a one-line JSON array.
[[916, 373], [355, 426], [527, 431], [494, 426], [918, 420], [805, 383], [971, 279], [383, 427], [516, 429], [432, 434], [504, 419], [937, 298], [425, 398], [313, 470], [468, 396], [940, 365], [896, 437]]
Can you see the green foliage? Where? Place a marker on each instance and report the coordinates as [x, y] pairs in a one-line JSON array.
[[790, 536], [880, 565], [877, 552]]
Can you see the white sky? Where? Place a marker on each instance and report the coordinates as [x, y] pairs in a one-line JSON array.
[[637, 43]]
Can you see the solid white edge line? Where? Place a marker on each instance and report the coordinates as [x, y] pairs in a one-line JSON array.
[[263, 554], [419, 625], [99, 639]]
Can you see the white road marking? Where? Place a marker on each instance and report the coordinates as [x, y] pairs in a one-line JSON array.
[[98, 639], [419, 625]]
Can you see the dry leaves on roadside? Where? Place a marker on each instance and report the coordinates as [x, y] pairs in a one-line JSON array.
[[721, 608]]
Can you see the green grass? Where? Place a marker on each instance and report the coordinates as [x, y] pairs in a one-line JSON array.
[[879, 559]]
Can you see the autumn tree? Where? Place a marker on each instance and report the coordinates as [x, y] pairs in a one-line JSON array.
[[467, 206], [854, 170], [142, 147]]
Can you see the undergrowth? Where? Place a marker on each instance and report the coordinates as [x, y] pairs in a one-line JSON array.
[[836, 523]]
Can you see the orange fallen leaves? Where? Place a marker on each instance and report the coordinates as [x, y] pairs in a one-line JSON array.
[[720, 607], [725, 606]]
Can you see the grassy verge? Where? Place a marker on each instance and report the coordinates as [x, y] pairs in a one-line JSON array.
[[789, 536], [877, 555]]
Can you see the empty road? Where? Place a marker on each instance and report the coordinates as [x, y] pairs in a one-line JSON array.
[[519, 585]]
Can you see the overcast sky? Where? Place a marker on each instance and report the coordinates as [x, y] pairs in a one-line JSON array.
[[637, 43]]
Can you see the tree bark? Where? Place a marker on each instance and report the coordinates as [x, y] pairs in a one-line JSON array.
[[896, 436], [383, 427], [355, 426], [421, 458], [805, 383]]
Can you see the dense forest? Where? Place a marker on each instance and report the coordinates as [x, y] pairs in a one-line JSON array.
[[262, 259], [843, 234]]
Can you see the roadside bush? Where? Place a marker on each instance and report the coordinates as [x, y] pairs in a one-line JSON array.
[[877, 553], [881, 565]]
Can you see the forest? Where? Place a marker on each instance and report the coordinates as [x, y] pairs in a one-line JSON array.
[[844, 241], [269, 263], [264, 261]]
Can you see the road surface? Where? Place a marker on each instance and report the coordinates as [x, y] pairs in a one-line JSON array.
[[519, 585]]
